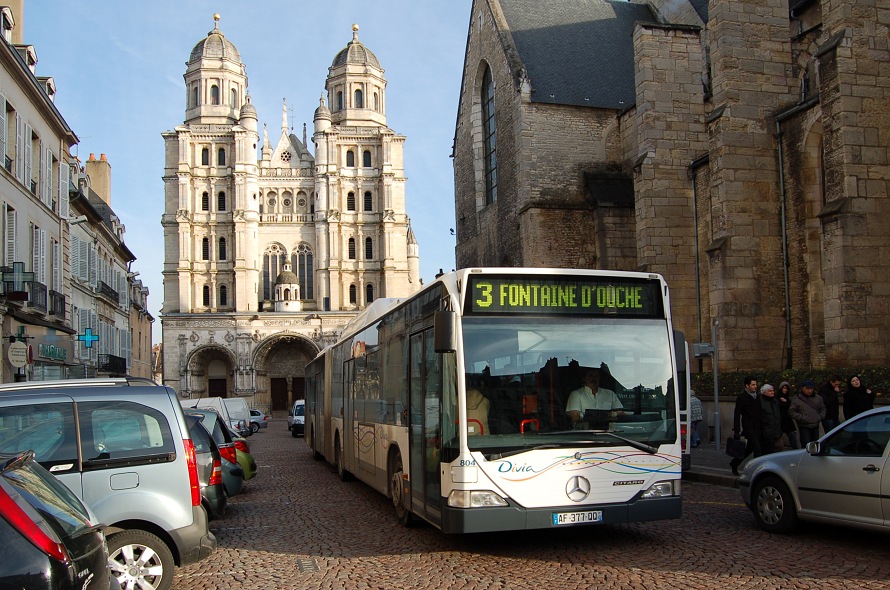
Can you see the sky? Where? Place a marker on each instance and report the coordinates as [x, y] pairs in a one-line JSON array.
[[118, 68]]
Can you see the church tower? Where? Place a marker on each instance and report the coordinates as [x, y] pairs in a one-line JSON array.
[[270, 249]]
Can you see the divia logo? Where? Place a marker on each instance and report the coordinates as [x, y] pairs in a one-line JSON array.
[[510, 467]]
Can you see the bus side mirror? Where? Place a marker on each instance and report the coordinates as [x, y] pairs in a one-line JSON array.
[[443, 326]]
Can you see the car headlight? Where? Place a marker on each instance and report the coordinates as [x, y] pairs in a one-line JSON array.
[[663, 489], [474, 499]]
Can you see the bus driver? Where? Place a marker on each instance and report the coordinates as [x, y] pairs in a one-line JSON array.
[[590, 396]]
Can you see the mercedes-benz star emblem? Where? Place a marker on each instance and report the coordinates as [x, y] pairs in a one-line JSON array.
[[577, 488]]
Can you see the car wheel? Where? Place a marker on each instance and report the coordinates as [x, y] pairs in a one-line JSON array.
[[397, 491], [254, 427], [773, 506], [139, 559], [293, 431]]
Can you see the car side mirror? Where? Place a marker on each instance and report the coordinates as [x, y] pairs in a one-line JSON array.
[[814, 448]]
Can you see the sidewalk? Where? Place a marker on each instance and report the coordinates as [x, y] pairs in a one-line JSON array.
[[710, 465]]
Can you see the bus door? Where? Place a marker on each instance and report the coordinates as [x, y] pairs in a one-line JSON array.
[[424, 437]]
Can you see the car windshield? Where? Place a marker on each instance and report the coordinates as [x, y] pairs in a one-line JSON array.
[[298, 411], [530, 373]]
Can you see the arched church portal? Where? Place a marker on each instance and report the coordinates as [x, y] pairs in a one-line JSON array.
[[211, 370], [281, 370]]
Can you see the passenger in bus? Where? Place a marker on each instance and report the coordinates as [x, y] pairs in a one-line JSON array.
[[590, 396], [477, 409]]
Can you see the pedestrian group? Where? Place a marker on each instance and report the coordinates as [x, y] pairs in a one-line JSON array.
[[766, 418]]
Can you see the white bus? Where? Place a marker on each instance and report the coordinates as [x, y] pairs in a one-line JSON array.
[[453, 402]]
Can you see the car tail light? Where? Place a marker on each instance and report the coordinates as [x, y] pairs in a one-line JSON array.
[[241, 445], [216, 476], [228, 453], [193, 471], [45, 540]]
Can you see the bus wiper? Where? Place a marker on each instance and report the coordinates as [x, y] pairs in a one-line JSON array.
[[635, 444], [518, 451]]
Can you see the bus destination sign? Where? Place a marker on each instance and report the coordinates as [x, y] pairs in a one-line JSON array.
[[565, 295]]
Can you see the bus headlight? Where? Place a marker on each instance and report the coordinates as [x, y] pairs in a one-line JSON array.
[[474, 499], [663, 489]]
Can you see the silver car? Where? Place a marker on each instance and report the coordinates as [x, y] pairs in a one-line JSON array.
[[842, 478]]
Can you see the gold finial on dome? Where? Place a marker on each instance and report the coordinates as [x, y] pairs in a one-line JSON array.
[[216, 20], [355, 32]]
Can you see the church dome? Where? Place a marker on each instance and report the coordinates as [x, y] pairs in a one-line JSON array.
[[356, 53], [248, 110], [215, 46], [287, 277]]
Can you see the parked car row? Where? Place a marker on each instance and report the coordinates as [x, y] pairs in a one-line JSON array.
[[141, 474]]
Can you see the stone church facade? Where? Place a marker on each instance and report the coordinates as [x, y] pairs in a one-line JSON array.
[[269, 249], [738, 147]]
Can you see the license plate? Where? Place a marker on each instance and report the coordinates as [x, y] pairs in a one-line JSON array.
[[590, 516]]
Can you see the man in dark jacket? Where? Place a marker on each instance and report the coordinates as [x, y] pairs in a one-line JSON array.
[[746, 422], [829, 392], [770, 421]]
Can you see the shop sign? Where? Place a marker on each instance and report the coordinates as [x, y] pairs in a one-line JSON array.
[[51, 351], [18, 354]]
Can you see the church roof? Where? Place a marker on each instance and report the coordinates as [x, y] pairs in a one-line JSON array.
[[286, 277], [577, 52], [356, 53], [216, 46]]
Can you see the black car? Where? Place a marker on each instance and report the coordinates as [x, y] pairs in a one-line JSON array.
[[49, 539], [210, 475]]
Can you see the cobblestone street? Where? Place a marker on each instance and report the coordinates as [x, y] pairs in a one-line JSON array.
[[298, 526]]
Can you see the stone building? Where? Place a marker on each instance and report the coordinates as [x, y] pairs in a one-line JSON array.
[[269, 249], [739, 148]]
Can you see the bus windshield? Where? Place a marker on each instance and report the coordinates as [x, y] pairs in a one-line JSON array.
[[534, 381]]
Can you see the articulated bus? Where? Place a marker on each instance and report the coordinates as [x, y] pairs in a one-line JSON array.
[[454, 402]]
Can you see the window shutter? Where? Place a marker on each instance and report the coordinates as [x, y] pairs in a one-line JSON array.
[[10, 237], [41, 167], [57, 266], [19, 148], [93, 270], [3, 130], [75, 256], [29, 157], [94, 325], [41, 268], [83, 322], [35, 251], [47, 178], [63, 189], [83, 271]]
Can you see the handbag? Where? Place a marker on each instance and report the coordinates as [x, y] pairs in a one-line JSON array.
[[735, 447]]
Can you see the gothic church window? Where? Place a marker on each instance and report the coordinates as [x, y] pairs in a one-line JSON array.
[[221, 201], [339, 101], [223, 296], [302, 262], [369, 249], [195, 96], [366, 159], [205, 249], [350, 202], [221, 157], [368, 201], [234, 98], [205, 202], [376, 102], [489, 137], [352, 294], [359, 99], [352, 248], [369, 293], [214, 94], [205, 299], [205, 157], [273, 261], [350, 159], [222, 248]]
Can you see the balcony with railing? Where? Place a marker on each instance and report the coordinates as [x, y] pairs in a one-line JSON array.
[[37, 296], [106, 291], [115, 365], [57, 304], [286, 218]]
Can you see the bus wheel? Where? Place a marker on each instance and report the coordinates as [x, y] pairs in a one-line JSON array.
[[338, 461], [397, 491], [315, 454]]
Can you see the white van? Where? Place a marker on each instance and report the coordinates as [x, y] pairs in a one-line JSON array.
[[239, 411], [296, 418], [240, 426]]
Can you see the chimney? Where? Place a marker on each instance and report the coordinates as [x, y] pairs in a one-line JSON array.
[[99, 172], [18, 13]]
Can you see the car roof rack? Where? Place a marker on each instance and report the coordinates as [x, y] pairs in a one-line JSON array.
[[93, 382]]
